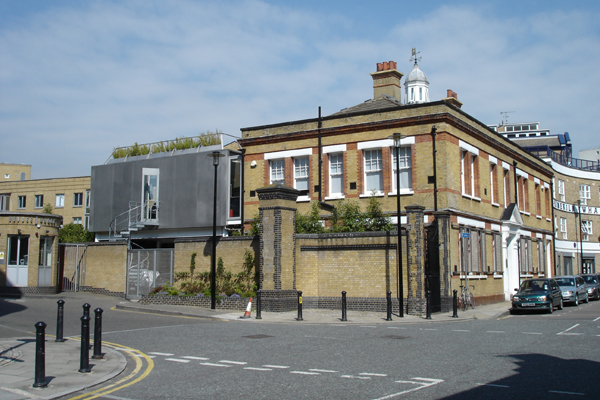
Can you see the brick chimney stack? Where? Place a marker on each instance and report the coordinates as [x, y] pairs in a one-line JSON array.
[[386, 81], [453, 98]]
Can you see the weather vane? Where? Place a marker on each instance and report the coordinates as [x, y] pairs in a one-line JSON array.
[[414, 55]]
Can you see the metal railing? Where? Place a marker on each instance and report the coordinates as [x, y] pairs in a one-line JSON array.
[[133, 218], [564, 159]]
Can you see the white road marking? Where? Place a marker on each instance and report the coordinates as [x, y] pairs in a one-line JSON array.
[[327, 371], [161, 354], [492, 384], [258, 369], [461, 330], [233, 362], [276, 366], [368, 326], [215, 365], [304, 373], [196, 358], [371, 374], [177, 360], [558, 391], [322, 337], [532, 333], [426, 383], [596, 319], [495, 332], [430, 329], [395, 327], [567, 330], [355, 377]]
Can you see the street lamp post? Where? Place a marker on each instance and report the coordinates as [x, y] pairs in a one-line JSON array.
[[397, 138], [213, 266]]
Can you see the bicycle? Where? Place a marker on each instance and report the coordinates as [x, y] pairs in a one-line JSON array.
[[466, 298]]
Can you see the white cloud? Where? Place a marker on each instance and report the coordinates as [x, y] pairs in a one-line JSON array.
[[78, 81]]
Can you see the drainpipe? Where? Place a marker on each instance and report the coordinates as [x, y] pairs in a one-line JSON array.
[[320, 158], [515, 182], [435, 190]]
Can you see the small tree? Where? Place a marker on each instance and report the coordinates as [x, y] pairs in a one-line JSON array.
[[74, 233], [192, 265], [47, 208], [311, 222], [376, 220]]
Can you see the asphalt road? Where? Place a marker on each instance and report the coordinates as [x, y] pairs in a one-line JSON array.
[[524, 356]]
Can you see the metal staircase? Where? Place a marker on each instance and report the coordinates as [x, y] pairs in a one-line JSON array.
[[138, 216]]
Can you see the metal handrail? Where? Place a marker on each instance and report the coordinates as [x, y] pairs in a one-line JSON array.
[[128, 219], [566, 160]]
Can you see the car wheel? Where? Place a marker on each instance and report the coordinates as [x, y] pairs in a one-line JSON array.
[[560, 305], [576, 300], [587, 298], [551, 310]]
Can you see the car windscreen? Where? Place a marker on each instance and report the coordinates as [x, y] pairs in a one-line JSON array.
[[565, 281], [590, 279], [534, 285]]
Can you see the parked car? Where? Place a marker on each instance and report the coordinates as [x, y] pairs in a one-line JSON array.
[[537, 294], [593, 285], [573, 288]]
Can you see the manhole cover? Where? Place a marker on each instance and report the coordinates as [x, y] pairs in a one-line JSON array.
[[257, 336]]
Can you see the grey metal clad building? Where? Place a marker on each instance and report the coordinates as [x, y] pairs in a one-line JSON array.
[[158, 197]]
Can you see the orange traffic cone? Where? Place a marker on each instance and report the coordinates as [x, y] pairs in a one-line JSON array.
[[247, 313]]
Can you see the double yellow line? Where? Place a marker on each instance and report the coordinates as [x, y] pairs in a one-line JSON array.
[[135, 376]]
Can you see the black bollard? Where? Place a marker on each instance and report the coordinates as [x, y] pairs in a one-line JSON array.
[[454, 305], [428, 305], [40, 355], [59, 321], [299, 306], [84, 360], [86, 309], [98, 334], [344, 306], [389, 306], [258, 304]]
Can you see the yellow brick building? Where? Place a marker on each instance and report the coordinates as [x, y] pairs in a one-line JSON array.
[[68, 197], [497, 196]]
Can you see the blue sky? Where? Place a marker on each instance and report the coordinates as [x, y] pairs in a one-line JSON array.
[[78, 78]]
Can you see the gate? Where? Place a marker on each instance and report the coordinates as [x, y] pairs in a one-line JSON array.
[[148, 269], [72, 266], [432, 266]]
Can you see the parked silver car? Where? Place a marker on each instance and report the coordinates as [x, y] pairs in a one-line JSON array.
[[573, 288], [593, 285]]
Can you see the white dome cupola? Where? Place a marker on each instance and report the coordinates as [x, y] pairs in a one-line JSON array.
[[416, 84]]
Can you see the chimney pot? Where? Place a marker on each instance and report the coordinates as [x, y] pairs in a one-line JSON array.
[[379, 67], [393, 65], [386, 66]]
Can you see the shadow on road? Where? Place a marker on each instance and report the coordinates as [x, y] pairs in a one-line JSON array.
[[9, 307], [540, 376]]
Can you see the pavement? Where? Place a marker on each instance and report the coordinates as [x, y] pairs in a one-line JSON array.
[[17, 356]]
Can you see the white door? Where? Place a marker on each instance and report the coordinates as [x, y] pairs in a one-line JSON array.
[[18, 260]]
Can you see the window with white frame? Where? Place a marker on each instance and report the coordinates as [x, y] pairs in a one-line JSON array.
[[373, 171], [563, 227], [77, 199], [77, 220], [468, 170], [404, 155], [561, 189], [506, 184], [584, 194], [586, 230], [494, 183], [60, 200], [4, 202], [39, 201], [277, 171], [497, 251], [301, 175], [336, 174], [22, 202], [473, 253]]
